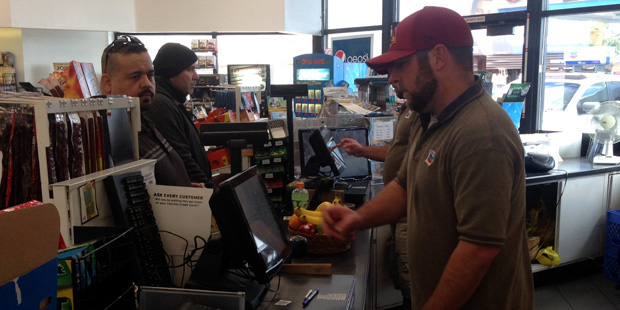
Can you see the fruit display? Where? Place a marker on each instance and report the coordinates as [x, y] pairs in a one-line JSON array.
[[310, 222]]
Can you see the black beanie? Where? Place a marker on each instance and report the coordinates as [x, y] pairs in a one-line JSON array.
[[172, 59]]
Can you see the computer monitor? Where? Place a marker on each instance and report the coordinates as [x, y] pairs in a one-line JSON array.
[[357, 168], [325, 154], [253, 242]]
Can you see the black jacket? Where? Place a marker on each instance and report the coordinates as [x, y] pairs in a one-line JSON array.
[[174, 122]]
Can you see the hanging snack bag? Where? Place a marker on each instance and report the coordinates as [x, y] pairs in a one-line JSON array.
[[50, 152], [62, 148], [85, 141], [76, 148]]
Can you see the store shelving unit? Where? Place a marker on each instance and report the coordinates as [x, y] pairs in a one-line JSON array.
[[272, 160], [65, 195]]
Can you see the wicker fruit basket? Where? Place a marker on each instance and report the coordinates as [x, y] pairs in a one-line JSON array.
[[322, 244]]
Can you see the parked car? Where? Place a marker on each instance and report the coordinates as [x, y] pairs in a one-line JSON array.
[[568, 98]]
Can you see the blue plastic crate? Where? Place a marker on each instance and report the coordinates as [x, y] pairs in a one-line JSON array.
[[611, 268], [613, 228]]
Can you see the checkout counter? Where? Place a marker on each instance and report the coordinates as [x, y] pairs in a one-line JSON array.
[[581, 191]]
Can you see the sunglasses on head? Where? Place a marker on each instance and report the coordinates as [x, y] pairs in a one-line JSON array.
[[117, 45]]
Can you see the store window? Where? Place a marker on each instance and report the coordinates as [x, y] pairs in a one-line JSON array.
[[353, 13], [581, 68], [464, 7], [502, 55], [563, 4]]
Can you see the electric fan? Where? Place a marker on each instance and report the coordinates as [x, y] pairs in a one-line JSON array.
[[605, 122]]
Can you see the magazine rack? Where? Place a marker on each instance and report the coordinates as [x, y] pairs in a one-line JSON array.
[[65, 195]]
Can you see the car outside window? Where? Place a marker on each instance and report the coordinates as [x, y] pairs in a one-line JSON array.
[[558, 95], [595, 93]]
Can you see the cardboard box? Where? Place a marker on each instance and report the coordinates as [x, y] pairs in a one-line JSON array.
[[29, 246]]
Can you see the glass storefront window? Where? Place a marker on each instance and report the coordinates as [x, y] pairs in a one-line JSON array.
[[353, 13], [563, 4], [464, 7], [582, 66], [503, 55]]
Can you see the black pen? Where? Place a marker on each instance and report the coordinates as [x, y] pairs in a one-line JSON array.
[[309, 298]]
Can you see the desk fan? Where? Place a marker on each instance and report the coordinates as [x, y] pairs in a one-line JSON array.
[[605, 121]]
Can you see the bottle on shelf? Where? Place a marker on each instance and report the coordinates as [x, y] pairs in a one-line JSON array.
[[300, 196]]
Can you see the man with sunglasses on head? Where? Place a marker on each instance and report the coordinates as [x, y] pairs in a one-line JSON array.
[[175, 74], [462, 183], [128, 70]]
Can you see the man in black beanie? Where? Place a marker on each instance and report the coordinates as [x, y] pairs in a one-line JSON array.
[[175, 75]]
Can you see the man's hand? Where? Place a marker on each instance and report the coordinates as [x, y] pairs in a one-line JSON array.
[[340, 222], [352, 147]]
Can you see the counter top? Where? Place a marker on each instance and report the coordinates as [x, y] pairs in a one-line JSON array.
[[570, 168], [354, 262]]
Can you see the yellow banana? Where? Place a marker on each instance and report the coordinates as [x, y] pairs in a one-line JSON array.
[[311, 219], [297, 211], [311, 213], [323, 205]]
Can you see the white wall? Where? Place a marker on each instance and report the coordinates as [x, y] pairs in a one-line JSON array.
[[5, 13], [209, 15], [300, 16], [101, 15], [41, 48]]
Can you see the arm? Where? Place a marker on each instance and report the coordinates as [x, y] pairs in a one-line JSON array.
[[352, 147], [389, 205], [466, 268]]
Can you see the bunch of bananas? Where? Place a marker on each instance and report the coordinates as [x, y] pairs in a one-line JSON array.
[[311, 222]]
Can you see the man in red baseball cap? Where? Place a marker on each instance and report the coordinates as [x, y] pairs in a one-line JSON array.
[[462, 182]]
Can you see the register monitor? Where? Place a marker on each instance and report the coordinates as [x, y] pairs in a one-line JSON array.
[[356, 168], [253, 246], [325, 155]]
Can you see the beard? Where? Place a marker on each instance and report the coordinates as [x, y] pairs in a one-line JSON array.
[[427, 85], [146, 98]]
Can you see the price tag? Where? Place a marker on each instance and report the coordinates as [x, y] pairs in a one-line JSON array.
[[265, 161], [270, 191], [277, 160], [268, 144], [279, 143], [269, 176]]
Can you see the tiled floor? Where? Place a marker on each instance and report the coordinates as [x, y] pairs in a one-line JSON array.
[[578, 286], [575, 287]]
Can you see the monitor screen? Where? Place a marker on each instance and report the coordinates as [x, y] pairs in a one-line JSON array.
[[313, 74], [357, 168], [325, 155], [250, 231], [249, 75]]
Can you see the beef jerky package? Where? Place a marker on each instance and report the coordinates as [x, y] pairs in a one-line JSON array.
[[76, 148], [99, 137], [92, 141], [50, 151], [16, 161], [62, 148], [85, 141], [5, 184]]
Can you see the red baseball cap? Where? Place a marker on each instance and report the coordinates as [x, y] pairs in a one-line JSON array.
[[421, 30]]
